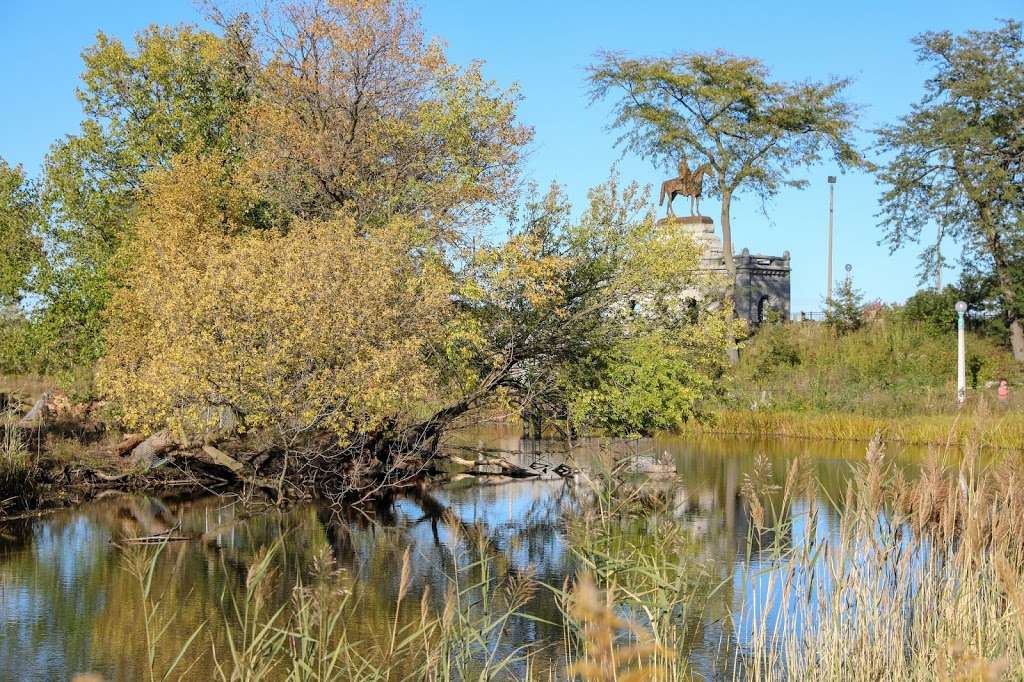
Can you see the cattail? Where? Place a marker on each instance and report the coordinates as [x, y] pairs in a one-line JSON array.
[[405, 579]]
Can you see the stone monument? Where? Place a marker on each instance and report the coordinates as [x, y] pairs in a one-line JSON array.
[[762, 287]]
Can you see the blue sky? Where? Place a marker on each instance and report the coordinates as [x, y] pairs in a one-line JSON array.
[[544, 47]]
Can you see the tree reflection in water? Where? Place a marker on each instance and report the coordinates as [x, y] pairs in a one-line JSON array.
[[67, 605]]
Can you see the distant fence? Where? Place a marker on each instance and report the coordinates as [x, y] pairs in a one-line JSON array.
[[870, 316]]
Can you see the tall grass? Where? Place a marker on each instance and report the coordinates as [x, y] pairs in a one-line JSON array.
[[651, 573], [987, 427], [18, 471], [919, 581], [161, 664], [308, 639]]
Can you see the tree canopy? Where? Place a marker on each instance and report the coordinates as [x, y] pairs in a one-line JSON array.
[[728, 112], [957, 160], [304, 260], [19, 239], [176, 91]]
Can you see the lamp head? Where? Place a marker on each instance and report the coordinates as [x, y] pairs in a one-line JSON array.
[[961, 307], [831, 179]]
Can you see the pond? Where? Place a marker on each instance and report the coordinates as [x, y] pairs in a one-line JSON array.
[[69, 602]]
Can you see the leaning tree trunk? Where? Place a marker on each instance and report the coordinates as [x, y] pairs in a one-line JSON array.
[[730, 285], [1004, 276]]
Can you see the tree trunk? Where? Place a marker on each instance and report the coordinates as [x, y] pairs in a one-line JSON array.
[[990, 228], [1004, 276], [1017, 339], [1006, 288], [730, 285]]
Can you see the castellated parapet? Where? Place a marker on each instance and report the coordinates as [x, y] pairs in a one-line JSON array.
[[762, 282]]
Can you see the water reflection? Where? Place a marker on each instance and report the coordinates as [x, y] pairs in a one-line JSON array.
[[67, 604]]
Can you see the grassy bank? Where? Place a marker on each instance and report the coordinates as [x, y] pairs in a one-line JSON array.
[[1002, 431], [891, 367], [893, 376]]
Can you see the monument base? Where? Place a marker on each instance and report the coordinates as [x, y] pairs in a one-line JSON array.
[[702, 229]]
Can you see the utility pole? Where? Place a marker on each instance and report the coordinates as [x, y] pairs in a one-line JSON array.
[[831, 211]]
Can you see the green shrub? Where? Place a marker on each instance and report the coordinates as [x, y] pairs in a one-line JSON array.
[[890, 367], [15, 344], [777, 351], [933, 309]]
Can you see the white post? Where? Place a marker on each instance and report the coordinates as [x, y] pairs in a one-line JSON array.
[[961, 361]]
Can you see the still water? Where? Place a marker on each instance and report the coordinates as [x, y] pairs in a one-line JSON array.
[[68, 603]]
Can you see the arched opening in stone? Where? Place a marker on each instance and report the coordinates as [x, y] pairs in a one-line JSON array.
[[766, 310]]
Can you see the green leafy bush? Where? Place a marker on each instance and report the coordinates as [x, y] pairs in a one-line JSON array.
[[934, 309]]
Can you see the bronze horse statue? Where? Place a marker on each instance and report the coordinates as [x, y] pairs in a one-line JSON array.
[[688, 184]]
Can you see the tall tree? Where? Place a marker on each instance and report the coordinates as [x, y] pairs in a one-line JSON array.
[[19, 242], [958, 159], [728, 112], [177, 91], [357, 110], [325, 106]]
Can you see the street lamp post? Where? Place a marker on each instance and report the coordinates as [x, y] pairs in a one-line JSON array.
[[831, 210], [961, 361]]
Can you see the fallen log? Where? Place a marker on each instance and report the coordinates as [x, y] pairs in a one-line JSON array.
[[128, 443], [484, 480], [223, 459], [110, 478], [493, 466], [145, 452], [155, 539], [37, 415]]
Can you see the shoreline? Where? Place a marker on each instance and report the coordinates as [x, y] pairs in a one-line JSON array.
[[986, 431]]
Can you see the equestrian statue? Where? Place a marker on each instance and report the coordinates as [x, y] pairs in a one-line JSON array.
[[688, 184]]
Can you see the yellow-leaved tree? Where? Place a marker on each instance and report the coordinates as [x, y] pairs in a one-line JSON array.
[[313, 286], [320, 328]]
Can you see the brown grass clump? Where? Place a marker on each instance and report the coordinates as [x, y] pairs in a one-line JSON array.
[[613, 649], [18, 469], [918, 580]]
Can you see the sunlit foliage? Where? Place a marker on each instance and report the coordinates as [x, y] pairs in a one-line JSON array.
[[177, 90], [322, 326]]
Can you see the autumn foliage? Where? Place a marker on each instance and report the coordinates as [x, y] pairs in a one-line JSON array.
[[321, 326], [273, 233]]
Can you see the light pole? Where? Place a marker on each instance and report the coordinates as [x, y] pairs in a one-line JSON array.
[[961, 362], [831, 210]]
